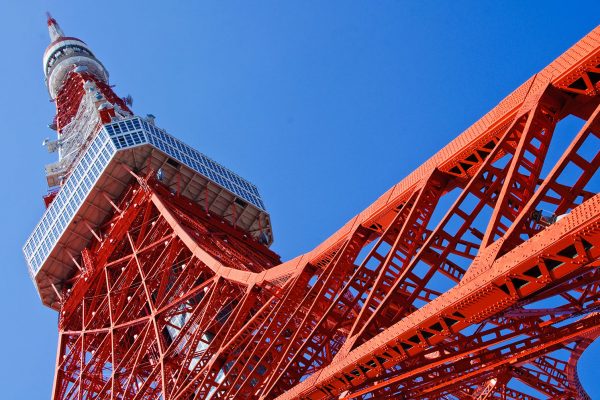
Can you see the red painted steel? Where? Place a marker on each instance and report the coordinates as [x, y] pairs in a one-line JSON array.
[[475, 277]]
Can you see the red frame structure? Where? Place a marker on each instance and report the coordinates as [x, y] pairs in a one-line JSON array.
[[449, 286]]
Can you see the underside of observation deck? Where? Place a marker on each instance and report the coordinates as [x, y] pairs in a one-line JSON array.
[[477, 276]]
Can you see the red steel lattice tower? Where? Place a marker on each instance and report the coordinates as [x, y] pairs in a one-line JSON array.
[[475, 277]]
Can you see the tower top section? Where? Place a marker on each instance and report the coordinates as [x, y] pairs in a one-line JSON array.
[[66, 54], [102, 147], [54, 29]]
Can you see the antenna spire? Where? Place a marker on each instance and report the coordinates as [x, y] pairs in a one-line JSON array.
[[53, 28]]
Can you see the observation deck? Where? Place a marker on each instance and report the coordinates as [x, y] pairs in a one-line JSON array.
[[102, 173]]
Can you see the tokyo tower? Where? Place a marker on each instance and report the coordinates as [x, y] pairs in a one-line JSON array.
[[475, 277]]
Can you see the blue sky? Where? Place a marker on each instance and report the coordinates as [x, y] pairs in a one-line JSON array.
[[323, 105]]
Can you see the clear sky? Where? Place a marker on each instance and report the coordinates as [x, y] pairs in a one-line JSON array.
[[323, 105]]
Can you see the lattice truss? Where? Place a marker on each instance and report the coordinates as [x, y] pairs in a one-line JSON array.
[[476, 277], [78, 118]]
